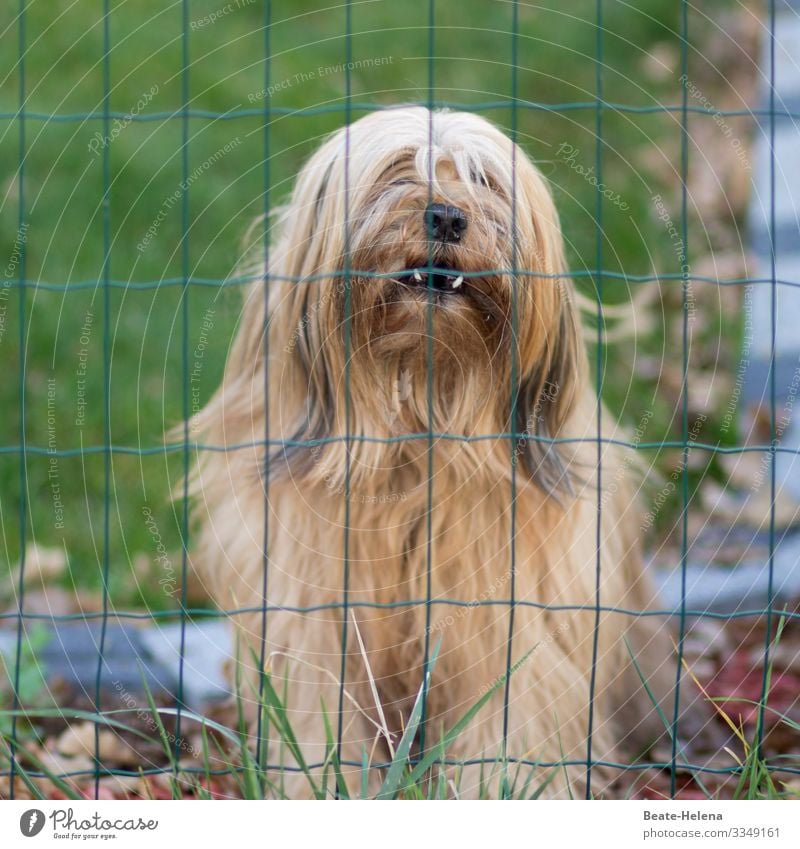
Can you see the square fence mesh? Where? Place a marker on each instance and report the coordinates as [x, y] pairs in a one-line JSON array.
[[252, 125]]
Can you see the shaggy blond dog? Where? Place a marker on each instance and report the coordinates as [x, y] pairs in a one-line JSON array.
[[414, 386]]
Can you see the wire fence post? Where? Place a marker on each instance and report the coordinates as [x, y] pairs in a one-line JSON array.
[[21, 377], [599, 236]]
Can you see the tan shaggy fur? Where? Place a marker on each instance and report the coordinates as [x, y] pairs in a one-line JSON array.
[[502, 343]]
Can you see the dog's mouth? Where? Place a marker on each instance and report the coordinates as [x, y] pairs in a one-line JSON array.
[[441, 279], [449, 285]]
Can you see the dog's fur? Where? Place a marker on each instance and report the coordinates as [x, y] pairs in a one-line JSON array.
[[507, 357]]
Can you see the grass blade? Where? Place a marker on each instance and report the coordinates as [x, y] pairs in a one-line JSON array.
[[394, 776]]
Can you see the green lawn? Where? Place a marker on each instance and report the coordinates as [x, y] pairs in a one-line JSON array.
[[65, 329]]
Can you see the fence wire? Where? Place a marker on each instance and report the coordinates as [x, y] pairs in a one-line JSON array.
[[351, 108]]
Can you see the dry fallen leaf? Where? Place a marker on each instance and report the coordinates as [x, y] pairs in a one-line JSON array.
[[43, 564]]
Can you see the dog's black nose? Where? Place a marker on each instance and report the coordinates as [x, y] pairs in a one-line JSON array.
[[444, 223]]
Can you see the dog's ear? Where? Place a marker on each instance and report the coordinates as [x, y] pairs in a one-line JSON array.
[[551, 351], [312, 366], [545, 399], [308, 245]]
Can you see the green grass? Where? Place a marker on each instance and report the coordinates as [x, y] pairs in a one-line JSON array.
[[64, 190], [232, 752]]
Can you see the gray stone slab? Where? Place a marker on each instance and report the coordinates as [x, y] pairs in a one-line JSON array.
[[208, 646], [730, 590], [68, 652]]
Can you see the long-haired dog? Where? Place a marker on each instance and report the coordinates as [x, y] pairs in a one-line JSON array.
[[414, 423]]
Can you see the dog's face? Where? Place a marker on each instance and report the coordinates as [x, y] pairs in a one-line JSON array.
[[412, 224], [440, 251]]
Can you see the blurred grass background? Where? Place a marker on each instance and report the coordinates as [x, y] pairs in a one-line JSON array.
[[64, 194]]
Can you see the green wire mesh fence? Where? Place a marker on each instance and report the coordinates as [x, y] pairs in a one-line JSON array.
[[516, 25]]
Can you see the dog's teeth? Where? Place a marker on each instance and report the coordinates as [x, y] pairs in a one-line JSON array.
[[458, 281], [417, 277]]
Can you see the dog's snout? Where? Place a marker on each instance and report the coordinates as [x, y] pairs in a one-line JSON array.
[[444, 223]]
